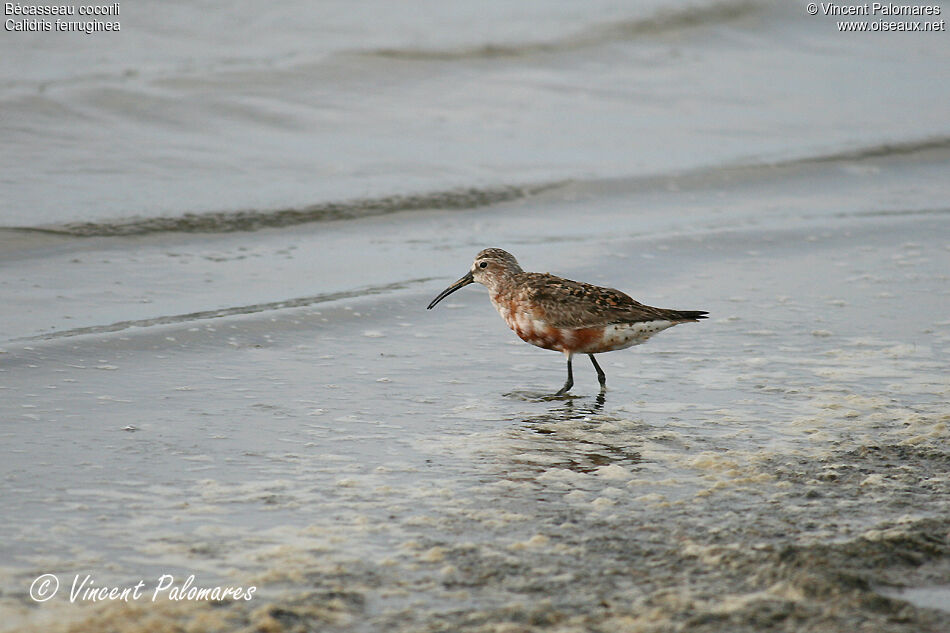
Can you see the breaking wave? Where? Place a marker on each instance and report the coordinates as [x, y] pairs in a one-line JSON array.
[[230, 221], [465, 198], [661, 22]]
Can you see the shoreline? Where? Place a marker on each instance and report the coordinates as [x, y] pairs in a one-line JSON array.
[[369, 445]]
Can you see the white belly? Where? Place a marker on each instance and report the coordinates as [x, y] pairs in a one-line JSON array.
[[623, 335]]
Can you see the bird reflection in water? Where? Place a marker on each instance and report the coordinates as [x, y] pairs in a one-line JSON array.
[[571, 438]]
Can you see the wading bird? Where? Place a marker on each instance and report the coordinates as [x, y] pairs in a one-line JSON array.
[[563, 315]]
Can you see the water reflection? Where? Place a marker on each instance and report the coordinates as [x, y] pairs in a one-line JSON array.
[[573, 433], [567, 400]]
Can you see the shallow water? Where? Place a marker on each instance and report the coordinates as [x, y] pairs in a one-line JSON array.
[[401, 461], [275, 407]]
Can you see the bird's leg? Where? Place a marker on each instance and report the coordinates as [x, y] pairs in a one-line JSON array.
[[601, 376], [570, 378]]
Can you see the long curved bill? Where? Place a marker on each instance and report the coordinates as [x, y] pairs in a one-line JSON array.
[[461, 283]]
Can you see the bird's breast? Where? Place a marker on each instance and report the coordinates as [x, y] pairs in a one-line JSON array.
[[532, 328], [526, 324]]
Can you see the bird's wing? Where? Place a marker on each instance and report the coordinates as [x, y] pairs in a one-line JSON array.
[[573, 304]]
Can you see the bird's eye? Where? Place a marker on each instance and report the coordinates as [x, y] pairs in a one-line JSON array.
[[483, 265]]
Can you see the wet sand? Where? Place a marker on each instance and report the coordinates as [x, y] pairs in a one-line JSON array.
[[277, 408]]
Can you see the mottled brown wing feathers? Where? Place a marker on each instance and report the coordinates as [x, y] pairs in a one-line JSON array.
[[573, 304]]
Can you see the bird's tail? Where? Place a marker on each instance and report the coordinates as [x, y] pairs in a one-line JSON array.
[[688, 315]]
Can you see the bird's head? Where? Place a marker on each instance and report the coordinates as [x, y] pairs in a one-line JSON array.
[[491, 268]]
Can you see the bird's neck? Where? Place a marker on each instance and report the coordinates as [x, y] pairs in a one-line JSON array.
[[503, 286]]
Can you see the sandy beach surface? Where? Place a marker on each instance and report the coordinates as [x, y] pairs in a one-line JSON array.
[[247, 388]]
